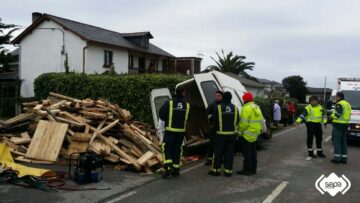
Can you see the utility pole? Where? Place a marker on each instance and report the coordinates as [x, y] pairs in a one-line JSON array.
[[325, 91]]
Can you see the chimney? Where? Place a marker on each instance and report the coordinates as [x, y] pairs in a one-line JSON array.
[[35, 16]]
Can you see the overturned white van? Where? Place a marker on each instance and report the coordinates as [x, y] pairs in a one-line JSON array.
[[200, 91]]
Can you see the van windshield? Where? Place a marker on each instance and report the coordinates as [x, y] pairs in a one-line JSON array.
[[353, 97], [209, 88]]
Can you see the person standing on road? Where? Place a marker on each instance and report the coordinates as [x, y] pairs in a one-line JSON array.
[[175, 113], [277, 113], [292, 111], [249, 128], [340, 120], [313, 116], [285, 113], [211, 111], [227, 119]]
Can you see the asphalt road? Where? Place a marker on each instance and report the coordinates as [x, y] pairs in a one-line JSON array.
[[285, 174]]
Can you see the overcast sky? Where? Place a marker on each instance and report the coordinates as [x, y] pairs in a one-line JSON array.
[[311, 38]]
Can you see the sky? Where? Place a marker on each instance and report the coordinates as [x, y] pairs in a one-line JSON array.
[[311, 38]]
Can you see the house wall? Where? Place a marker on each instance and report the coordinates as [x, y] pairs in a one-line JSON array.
[[257, 92], [94, 61], [41, 53], [147, 57]]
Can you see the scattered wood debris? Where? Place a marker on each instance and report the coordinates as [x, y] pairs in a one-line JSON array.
[[55, 128]]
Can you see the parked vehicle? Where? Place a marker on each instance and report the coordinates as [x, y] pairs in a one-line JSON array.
[[351, 89], [200, 91]]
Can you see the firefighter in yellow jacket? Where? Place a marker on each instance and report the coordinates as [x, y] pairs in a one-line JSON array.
[[250, 127], [314, 116]]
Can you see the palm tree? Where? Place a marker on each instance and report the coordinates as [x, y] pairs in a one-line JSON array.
[[231, 63], [5, 57]]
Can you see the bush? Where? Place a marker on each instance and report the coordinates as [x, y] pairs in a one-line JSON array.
[[266, 106], [131, 92]]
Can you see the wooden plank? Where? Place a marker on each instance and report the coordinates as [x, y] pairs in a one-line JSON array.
[[93, 115], [23, 159], [57, 105], [143, 133], [144, 158], [108, 127], [76, 147], [81, 137], [64, 97], [38, 107], [47, 141], [112, 158], [101, 124], [74, 123], [120, 152], [23, 139], [152, 162]]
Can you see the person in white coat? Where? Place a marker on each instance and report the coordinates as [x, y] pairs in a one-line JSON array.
[[277, 113]]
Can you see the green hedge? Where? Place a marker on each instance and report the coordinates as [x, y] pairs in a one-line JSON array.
[[131, 92], [266, 105]]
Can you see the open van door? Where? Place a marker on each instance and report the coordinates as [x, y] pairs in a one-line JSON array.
[[157, 98]]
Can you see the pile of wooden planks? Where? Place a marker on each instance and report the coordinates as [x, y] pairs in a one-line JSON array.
[[60, 126]]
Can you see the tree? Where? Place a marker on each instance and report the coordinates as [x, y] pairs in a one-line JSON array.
[[296, 87], [6, 31], [231, 63]]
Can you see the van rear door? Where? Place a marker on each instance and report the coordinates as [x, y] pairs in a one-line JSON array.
[[157, 98]]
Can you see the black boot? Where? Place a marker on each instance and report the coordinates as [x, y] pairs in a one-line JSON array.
[[214, 172], [208, 162], [320, 154], [175, 172], [245, 173], [335, 161], [168, 171], [311, 154], [227, 173]]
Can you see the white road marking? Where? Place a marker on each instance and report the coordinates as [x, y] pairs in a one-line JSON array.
[[308, 158], [193, 167], [121, 197], [280, 133], [327, 139], [276, 192]]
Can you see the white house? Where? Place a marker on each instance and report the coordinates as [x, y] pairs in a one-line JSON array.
[[256, 88], [46, 43]]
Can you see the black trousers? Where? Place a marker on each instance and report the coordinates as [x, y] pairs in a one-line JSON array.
[[223, 150], [314, 130], [172, 148], [250, 155], [210, 150]]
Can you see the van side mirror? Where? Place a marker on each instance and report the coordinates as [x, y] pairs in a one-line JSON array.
[[329, 104]]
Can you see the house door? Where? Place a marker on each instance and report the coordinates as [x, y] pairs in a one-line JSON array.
[[141, 65]]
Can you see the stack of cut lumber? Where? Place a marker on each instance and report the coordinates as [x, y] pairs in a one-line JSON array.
[[60, 126]]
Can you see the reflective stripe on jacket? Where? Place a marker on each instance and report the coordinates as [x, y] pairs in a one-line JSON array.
[[228, 118], [178, 116], [314, 114], [251, 118]]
